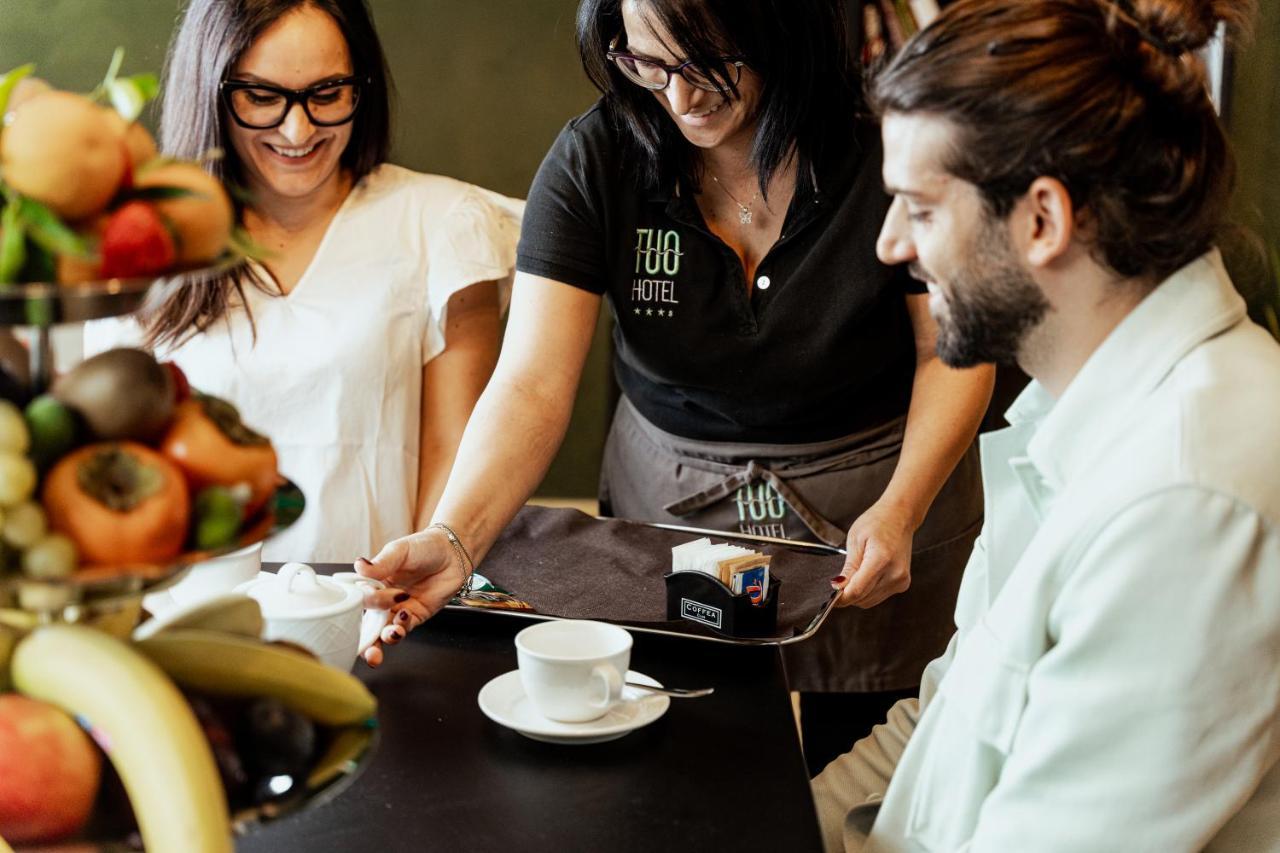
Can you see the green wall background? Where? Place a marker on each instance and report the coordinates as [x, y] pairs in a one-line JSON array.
[[482, 90], [1254, 120]]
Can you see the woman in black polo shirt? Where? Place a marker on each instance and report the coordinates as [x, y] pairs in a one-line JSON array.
[[777, 379]]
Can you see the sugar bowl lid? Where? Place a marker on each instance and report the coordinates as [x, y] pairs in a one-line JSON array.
[[296, 591]]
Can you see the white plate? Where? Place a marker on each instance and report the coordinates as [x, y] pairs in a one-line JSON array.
[[503, 700]]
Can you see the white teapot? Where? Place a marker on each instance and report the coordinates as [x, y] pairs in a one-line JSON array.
[[324, 615]]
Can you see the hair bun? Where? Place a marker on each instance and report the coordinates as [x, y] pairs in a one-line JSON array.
[[1177, 26]]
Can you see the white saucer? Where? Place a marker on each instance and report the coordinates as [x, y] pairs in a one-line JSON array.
[[503, 700], [173, 613]]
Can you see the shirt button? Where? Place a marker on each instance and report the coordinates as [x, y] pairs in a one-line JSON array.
[[763, 282]]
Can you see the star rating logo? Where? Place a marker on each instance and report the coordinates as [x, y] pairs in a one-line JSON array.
[[637, 312], [648, 312]]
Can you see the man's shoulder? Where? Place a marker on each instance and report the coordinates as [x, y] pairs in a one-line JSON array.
[[1213, 424]]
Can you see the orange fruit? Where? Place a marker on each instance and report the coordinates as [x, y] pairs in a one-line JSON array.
[[202, 220], [64, 151], [138, 144], [27, 88]]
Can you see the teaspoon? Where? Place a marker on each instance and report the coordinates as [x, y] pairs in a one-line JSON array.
[[677, 692]]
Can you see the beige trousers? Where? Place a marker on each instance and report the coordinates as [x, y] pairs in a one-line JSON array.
[[849, 791]]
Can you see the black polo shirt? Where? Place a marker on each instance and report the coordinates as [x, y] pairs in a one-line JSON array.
[[820, 348]]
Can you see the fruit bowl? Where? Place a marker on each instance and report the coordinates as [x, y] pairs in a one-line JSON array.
[[179, 739], [91, 588], [347, 753]]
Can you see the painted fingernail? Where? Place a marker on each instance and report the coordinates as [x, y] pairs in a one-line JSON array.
[[839, 579], [402, 616], [401, 598]]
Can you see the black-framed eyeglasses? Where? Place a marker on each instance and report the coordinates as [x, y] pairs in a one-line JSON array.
[[655, 76], [262, 106]]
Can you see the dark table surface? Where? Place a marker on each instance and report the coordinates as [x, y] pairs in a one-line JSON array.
[[723, 772]]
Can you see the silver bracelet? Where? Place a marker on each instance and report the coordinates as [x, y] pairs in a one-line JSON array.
[[468, 565]]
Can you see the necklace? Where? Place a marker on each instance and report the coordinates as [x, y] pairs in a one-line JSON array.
[[744, 210]]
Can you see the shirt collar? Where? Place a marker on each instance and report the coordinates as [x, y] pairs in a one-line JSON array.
[[1191, 306]]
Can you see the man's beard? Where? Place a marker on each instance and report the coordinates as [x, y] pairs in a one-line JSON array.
[[991, 304]]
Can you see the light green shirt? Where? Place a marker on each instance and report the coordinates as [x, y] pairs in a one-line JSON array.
[[1114, 683]]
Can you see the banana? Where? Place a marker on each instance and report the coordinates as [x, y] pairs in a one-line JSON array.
[[229, 665], [142, 722]]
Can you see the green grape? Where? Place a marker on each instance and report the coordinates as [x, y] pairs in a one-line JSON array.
[[52, 558], [13, 429], [17, 477], [24, 525]]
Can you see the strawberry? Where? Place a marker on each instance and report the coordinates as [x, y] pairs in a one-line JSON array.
[[181, 387], [136, 242]]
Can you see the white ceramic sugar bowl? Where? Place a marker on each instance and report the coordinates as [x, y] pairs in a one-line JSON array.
[[325, 615]]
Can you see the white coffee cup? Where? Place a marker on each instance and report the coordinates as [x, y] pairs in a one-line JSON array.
[[212, 578], [325, 615], [573, 670]]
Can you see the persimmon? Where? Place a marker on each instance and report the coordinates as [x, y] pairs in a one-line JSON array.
[[120, 502], [213, 447]]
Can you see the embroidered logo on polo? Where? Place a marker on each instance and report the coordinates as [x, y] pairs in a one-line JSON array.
[[761, 510], [653, 290]]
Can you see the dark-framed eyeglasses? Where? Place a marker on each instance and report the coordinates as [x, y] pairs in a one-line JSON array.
[[262, 106], [655, 76]]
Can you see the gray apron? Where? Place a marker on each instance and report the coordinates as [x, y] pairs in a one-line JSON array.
[[811, 492]]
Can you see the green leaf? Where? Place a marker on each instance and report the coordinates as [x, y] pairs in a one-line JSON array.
[[41, 265], [242, 195], [9, 81], [148, 84], [49, 232], [117, 59], [129, 95], [13, 244], [153, 164], [243, 245], [158, 193]]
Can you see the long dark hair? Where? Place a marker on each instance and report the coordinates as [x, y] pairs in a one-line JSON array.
[[799, 48], [1099, 94], [210, 40]]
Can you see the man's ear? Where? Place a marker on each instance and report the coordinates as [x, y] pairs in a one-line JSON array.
[[1047, 222]]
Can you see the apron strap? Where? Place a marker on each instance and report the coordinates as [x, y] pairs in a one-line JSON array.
[[819, 526]]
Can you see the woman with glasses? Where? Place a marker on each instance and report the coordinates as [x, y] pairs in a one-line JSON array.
[[362, 338], [725, 197]]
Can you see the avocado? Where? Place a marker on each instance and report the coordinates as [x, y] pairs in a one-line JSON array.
[[121, 394]]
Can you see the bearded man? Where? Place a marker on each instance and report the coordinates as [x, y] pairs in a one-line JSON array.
[[1060, 179]]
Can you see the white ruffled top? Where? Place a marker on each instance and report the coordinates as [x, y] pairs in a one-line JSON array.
[[334, 376]]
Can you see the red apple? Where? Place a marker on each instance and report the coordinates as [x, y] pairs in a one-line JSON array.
[[49, 772]]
